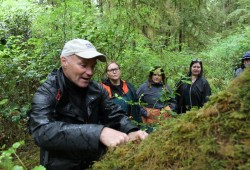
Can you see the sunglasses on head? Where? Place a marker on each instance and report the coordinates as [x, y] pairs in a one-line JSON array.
[[196, 60]]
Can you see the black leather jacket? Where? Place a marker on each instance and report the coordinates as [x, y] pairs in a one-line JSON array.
[[67, 139]]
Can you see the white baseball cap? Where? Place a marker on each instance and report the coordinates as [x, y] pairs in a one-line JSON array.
[[81, 48]]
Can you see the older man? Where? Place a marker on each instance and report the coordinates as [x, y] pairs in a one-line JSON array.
[[72, 119]]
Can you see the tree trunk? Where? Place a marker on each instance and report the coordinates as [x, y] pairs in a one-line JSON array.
[[180, 39]]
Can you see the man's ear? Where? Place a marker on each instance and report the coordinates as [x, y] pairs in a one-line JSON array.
[[64, 62]]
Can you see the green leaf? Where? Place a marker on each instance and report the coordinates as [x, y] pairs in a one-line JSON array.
[[17, 167], [1, 47], [39, 168], [4, 101], [18, 144]]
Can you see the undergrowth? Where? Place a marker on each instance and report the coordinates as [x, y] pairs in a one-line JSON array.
[[214, 137]]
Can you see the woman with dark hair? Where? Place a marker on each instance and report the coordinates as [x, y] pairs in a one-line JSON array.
[[157, 95], [121, 92], [194, 90]]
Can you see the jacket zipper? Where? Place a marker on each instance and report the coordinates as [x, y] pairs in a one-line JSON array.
[[190, 98]]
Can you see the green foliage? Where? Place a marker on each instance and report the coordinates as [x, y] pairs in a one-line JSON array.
[[223, 56], [17, 18], [17, 81], [16, 58], [6, 158]]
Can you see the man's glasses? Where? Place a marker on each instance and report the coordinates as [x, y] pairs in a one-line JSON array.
[[113, 70]]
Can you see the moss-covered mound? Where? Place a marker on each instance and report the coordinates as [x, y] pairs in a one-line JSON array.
[[215, 137]]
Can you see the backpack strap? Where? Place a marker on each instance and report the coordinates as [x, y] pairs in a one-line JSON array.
[[58, 96]]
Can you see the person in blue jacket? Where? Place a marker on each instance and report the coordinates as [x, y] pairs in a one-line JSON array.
[[245, 62], [194, 90], [156, 96]]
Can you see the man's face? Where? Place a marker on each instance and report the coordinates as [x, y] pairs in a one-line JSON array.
[[78, 70], [247, 62]]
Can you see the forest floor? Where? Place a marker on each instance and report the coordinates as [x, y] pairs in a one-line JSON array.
[[14, 132]]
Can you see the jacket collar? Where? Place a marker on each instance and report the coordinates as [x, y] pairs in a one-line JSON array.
[[92, 90]]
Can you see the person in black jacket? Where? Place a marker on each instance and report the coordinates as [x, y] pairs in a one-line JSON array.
[[121, 92], [194, 90], [72, 119]]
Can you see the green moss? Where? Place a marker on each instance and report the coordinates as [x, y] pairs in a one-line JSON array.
[[214, 137]]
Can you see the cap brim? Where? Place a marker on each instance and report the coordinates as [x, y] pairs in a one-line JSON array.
[[247, 57], [92, 54]]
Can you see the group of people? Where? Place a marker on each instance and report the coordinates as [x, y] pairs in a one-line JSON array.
[[74, 119], [154, 95]]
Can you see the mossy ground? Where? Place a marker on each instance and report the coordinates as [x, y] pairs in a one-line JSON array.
[[214, 137]]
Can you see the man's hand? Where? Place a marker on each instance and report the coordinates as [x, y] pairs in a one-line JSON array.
[[137, 135], [112, 138]]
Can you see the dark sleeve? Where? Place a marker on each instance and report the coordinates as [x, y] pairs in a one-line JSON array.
[[178, 97], [117, 118], [139, 94], [238, 71], [135, 108], [172, 100], [207, 92]]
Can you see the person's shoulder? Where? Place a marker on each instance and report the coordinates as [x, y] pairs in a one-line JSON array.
[[129, 84], [48, 88], [203, 80], [131, 87], [52, 76], [95, 86], [144, 84], [105, 81], [51, 80], [93, 83], [142, 88], [238, 71]]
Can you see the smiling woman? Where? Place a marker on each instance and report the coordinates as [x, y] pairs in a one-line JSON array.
[[195, 93], [157, 98]]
